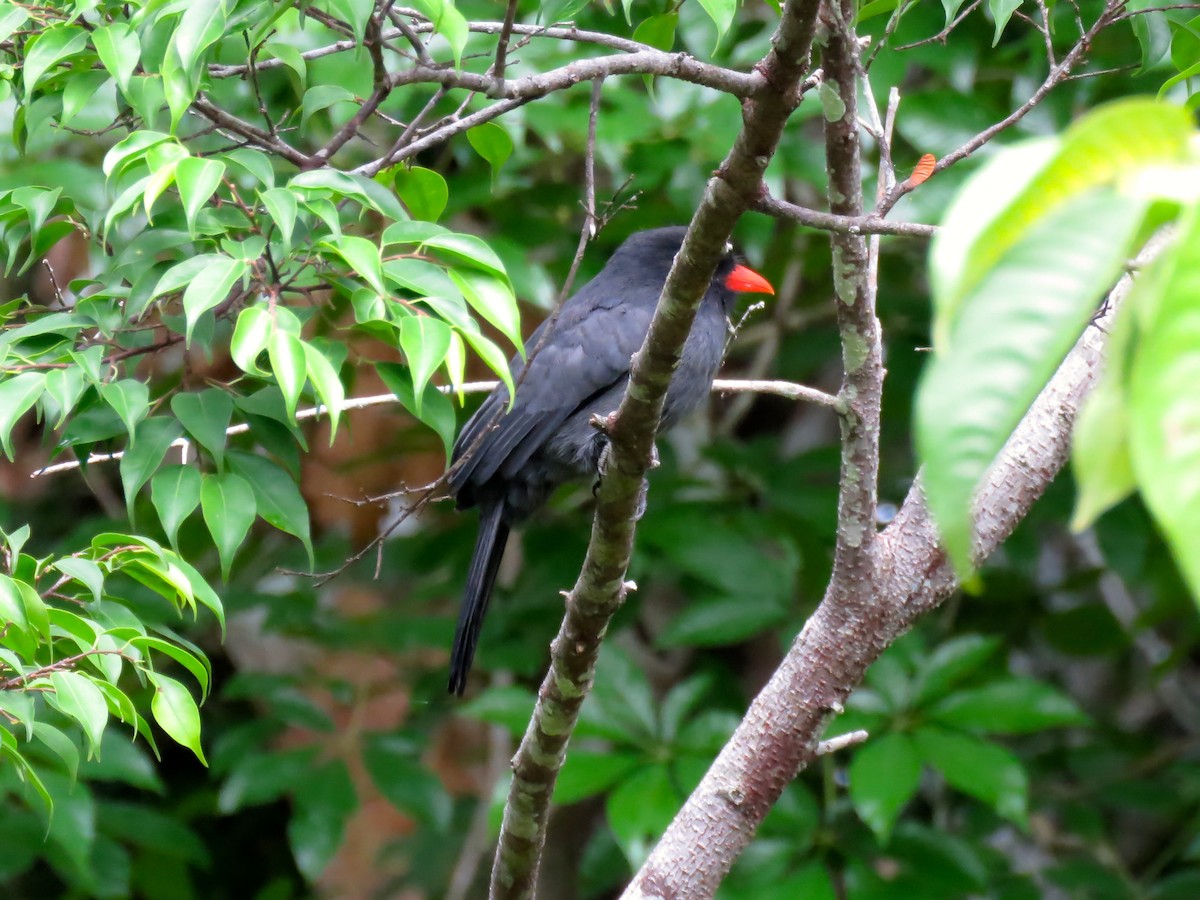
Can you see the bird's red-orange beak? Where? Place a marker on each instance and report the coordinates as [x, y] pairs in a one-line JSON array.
[[745, 280]]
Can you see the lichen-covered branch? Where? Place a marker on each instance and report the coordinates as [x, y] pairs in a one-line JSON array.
[[601, 586]]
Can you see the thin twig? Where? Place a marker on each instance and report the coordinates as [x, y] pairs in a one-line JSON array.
[[840, 743], [941, 36], [872, 223], [510, 15]]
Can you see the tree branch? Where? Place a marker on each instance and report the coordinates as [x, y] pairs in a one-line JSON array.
[[780, 734], [862, 345], [601, 587]]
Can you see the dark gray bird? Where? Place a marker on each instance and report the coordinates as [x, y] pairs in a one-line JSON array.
[[581, 370]]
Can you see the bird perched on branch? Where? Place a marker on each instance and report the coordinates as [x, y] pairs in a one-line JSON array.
[[508, 463]]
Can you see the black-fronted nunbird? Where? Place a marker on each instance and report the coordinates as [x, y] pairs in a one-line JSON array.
[[514, 460]]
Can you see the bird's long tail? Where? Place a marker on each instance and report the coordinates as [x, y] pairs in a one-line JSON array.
[[485, 562]]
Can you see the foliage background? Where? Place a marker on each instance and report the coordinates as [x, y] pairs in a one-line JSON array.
[[1037, 739]]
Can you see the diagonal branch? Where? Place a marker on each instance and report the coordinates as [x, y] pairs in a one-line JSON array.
[[601, 587], [780, 734]]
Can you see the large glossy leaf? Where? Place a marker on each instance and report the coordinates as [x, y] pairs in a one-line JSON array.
[[210, 287], [977, 767], [17, 396], [175, 493], [227, 502], [176, 713], [142, 459], [425, 341], [1011, 333], [197, 179], [276, 495], [1164, 411], [119, 49], [1021, 187], [78, 697], [884, 776], [206, 416]]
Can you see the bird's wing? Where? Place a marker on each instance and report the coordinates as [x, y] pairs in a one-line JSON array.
[[587, 352]]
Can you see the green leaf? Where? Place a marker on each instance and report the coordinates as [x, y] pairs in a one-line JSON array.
[[17, 396], [286, 353], [142, 459], [395, 767], [206, 416], [77, 93], [1100, 454], [202, 25], [640, 809], [721, 12], [1107, 144], [195, 664], [423, 191], [175, 711], [587, 773], [201, 590], [510, 707], [355, 12], [1010, 334], [425, 341], [492, 356], [1010, 706], [448, 22], [119, 50], [951, 8], [276, 495], [411, 232], [49, 47], [658, 31], [78, 698], [436, 410], [1151, 30], [884, 776], [719, 621], [130, 400], [281, 205], [175, 493], [256, 163], [1164, 412], [129, 150], [228, 505], [198, 180], [182, 274], [259, 778], [493, 299], [327, 384], [324, 802], [979, 768], [250, 336], [12, 17], [292, 58], [362, 256], [210, 287], [949, 663], [469, 249], [60, 745], [322, 96], [85, 572], [492, 142], [1002, 11]]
